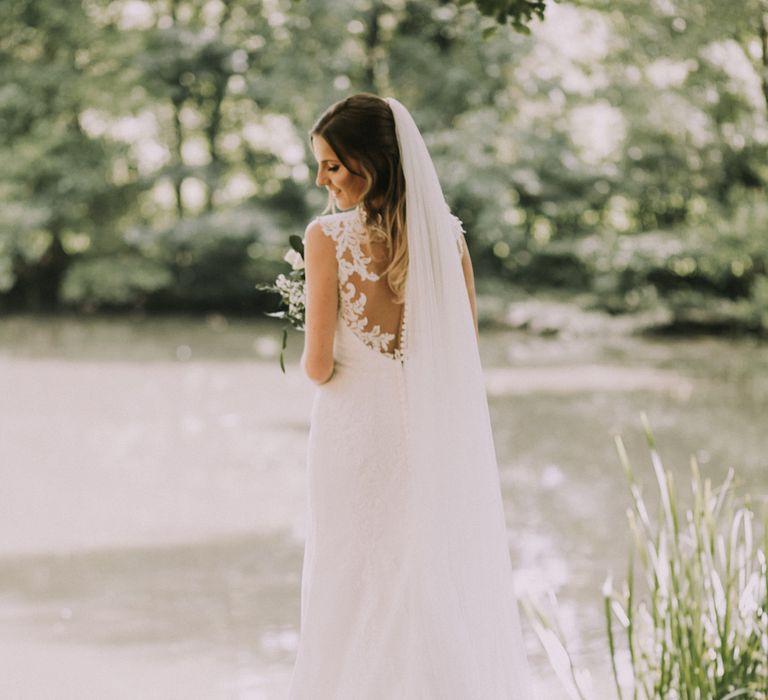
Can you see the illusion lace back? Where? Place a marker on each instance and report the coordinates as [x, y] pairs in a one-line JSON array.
[[367, 304], [357, 638]]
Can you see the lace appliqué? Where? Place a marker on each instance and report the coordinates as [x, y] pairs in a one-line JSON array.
[[346, 232]]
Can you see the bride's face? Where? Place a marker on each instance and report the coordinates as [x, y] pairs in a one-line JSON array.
[[346, 187]]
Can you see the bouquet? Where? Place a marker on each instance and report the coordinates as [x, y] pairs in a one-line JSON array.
[[292, 291]]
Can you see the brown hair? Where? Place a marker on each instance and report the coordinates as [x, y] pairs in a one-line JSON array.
[[361, 128]]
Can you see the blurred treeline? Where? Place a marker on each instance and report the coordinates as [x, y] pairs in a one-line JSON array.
[[154, 152]]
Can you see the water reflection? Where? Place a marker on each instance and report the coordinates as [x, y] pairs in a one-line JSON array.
[[152, 515], [225, 594]]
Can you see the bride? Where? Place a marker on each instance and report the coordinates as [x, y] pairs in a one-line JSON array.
[[407, 589]]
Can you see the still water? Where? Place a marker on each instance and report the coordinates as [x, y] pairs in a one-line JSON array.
[[152, 490]]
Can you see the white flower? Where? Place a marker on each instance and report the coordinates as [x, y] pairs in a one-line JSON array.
[[282, 283], [293, 293], [294, 258]]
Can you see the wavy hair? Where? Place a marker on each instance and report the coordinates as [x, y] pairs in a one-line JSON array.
[[361, 128]]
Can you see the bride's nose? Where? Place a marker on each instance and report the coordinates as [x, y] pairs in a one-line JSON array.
[[321, 179]]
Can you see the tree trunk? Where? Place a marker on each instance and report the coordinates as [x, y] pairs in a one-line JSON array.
[[50, 271], [214, 123], [178, 177], [211, 133], [763, 32], [178, 134], [38, 284], [372, 44]]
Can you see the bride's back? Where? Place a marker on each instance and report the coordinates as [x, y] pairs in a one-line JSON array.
[[381, 306], [367, 303]]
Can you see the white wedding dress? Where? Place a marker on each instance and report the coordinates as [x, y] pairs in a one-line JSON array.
[[364, 636]]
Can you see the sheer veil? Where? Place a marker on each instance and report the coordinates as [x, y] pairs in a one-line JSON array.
[[455, 583]]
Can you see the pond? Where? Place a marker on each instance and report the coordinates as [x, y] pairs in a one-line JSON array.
[[153, 489]]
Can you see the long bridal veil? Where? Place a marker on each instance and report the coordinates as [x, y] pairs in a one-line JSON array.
[[455, 584]]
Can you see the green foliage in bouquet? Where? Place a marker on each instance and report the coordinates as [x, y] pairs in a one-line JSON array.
[[292, 291]]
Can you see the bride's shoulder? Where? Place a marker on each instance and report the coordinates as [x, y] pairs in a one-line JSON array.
[[327, 229], [332, 225]]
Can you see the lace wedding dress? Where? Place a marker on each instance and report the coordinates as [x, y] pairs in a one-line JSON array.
[[368, 629]]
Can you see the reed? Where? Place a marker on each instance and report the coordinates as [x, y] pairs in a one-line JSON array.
[[691, 620]]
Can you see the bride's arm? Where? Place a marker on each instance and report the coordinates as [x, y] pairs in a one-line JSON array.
[[322, 304], [469, 279]]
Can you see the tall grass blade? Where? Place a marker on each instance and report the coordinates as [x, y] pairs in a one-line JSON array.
[[698, 627]]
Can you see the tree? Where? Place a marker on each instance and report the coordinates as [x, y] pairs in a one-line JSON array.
[[56, 183]]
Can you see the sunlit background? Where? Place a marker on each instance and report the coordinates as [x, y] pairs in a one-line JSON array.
[[610, 167]]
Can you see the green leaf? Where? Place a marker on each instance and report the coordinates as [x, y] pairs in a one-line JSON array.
[[282, 351], [296, 244]]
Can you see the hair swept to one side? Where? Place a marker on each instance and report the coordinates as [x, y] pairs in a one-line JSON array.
[[361, 131]]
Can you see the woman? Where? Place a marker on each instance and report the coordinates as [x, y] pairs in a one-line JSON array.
[[406, 585]]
